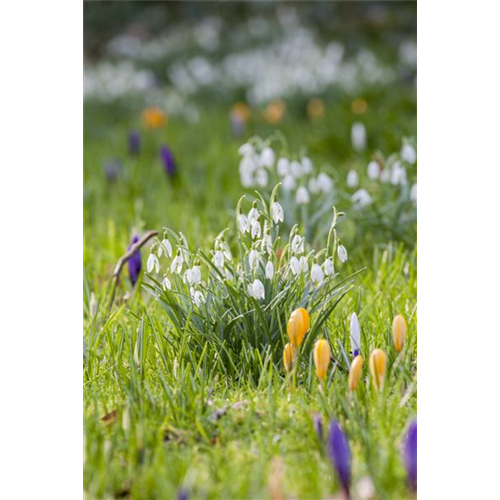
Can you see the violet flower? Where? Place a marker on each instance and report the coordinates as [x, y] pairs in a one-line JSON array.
[[182, 494], [318, 425], [418, 455], [113, 170], [340, 455], [134, 143], [134, 263], [167, 158]]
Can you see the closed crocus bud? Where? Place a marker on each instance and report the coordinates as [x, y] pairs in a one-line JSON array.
[[297, 326], [355, 335], [134, 142], [321, 356], [340, 455], [134, 263], [399, 332], [167, 158], [355, 372], [318, 425], [418, 455], [288, 357], [378, 362]]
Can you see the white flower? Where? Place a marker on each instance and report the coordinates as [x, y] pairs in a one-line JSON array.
[[355, 335], [254, 259], [277, 212], [313, 185], [266, 157], [243, 223], [197, 297], [245, 149], [373, 170], [247, 166], [195, 275], [289, 182], [385, 176], [307, 166], [269, 270], [176, 266], [352, 179], [256, 229], [296, 168], [295, 265], [317, 275], [229, 276], [153, 263], [267, 244], [303, 265], [361, 198], [218, 259], [409, 154], [283, 167], [413, 193], [342, 253], [297, 244], [261, 177], [246, 180], [302, 196], [252, 215], [324, 182], [358, 136], [166, 284], [328, 267], [398, 174], [256, 289], [168, 247]]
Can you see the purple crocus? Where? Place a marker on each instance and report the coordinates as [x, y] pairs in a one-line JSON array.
[[418, 455], [167, 158], [318, 425], [182, 494], [134, 143], [340, 455], [134, 263], [113, 170]]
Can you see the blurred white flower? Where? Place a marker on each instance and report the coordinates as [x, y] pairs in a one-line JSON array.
[[297, 244], [398, 174], [307, 166], [317, 275], [313, 185], [352, 179], [325, 183], [342, 253], [256, 229], [256, 290], [289, 182], [267, 243], [283, 167], [195, 275], [296, 169], [261, 177], [252, 215], [254, 259], [246, 149], [218, 259], [413, 193], [166, 284], [197, 297], [328, 268], [177, 263], [266, 157], [373, 170], [243, 224], [298, 265], [269, 270], [385, 176], [277, 212], [355, 335], [408, 153], [361, 198], [153, 263], [358, 136], [302, 196]]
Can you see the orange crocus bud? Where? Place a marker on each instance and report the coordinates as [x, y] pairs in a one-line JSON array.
[[154, 117], [297, 326], [321, 356], [288, 357], [399, 332], [355, 372], [378, 362]]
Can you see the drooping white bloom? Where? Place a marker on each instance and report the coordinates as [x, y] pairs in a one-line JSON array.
[[197, 297], [385, 176], [355, 335], [254, 259], [261, 177], [177, 263], [352, 179], [317, 275], [328, 267], [413, 193], [168, 247], [303, 265], [313, 185], [361, 198], [296, 169], [408, 153], [358, 136], [246, 149], [307, 166], [302, 196], [289, 182], [266, 157], [342, 253], [243, 224], [252, 215], [373, 170], [269, 270], [325, 183], [256, 229], [218, 259], [256, 290], [166, 284], [153, 263], [298, 244], [277, 212], [267, 244], [295, 265], [398, 174], [247, 166], [194, 275], [246, 180], [283, 167]]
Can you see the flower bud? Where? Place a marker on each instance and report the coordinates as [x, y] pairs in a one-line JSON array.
[[399, 332], [297, 326], [288, 357], [378, 362], [340, 455], [355, 372], [321, 356], [410, 455]]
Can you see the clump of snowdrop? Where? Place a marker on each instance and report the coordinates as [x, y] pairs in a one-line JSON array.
[[240, 291]]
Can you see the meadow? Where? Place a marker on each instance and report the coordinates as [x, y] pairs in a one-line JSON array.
[[199, 382]]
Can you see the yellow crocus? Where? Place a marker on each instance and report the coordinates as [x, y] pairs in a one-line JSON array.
[[315, 108], [378, 362], [399, 332], [321, 356], [288, 357], [355, 372], [274, 112], [297, 326], [153, 117]]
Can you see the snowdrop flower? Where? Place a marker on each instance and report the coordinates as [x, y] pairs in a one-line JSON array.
[[267, 244], [355, 335], [197, 297], [324, 182], [352, 179], [317, 275], [243, 224], [342, 253], [296, 168], [177, 263], [166, 284], [307, 166], [298, 244], [283, 167], [398, 174], [247, 167], [153, 263], [254, 259], [277, 212], [297, 265], [358, 136], [218, 259], [256, 290], [246, 149], [261, 177], [269, 270], [304, 266], [385, 176], [413, 193], [289, 183], [313, 185], [167, 246], [408, 154], [373, 170], [302, 196], [328, 268], [256, 229], [246, 181], [253, 215], [193, 275], [361, 198], [266, 157]]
